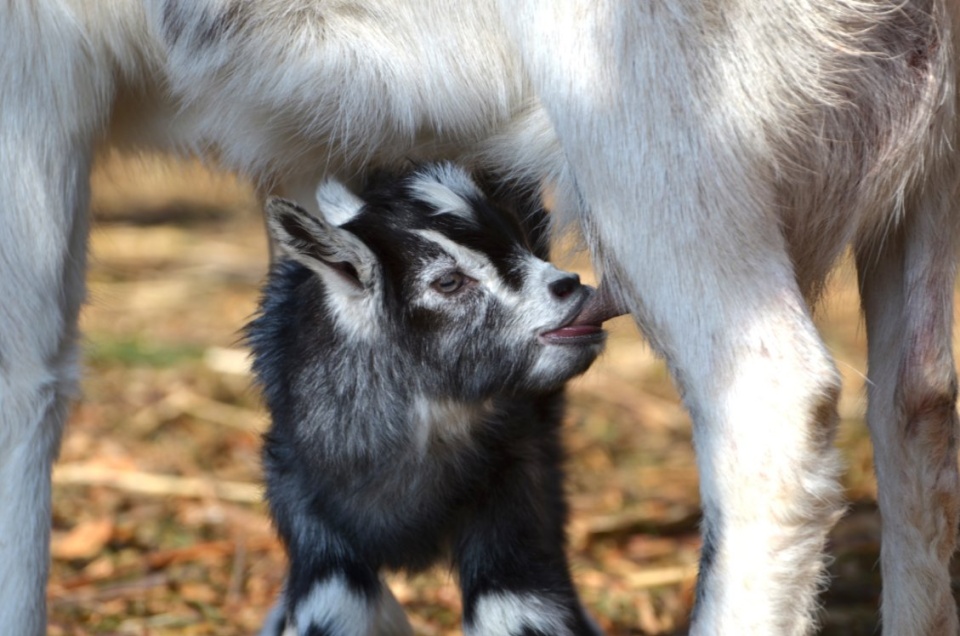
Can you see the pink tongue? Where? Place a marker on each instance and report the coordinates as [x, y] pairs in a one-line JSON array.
[[575, 330]]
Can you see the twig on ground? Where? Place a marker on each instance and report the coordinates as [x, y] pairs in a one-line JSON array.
[[661, 577], [166, 558], [154, 484], [182, 401]]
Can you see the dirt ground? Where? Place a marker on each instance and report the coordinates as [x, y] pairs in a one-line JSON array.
[[158, 524]]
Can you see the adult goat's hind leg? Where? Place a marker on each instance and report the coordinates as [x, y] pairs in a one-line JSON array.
[[43, 229], [54, 98], [907, 284]]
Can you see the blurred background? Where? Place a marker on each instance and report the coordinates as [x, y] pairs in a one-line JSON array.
[[158, 523]]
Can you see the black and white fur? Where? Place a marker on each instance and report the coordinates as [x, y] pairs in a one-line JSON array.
[[719, 154], [413, 348]]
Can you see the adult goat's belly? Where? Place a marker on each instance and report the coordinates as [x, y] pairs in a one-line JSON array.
[[338, 87]]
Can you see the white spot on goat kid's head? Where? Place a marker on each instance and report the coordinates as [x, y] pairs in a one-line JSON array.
[[347, 267], [337, 203], [447, 188]]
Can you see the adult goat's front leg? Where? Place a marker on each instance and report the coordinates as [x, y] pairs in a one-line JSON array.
[[675, 188], [762, 393], [907, 289]]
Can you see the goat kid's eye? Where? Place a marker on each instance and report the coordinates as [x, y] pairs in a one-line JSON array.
[[449, 283]]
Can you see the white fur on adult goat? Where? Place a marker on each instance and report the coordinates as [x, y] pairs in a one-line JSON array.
[[720, 155]]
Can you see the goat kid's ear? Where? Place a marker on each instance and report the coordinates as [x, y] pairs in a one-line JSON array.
[[335, 254]]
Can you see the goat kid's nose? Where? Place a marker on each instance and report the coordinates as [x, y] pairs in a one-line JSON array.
[[563, 287]]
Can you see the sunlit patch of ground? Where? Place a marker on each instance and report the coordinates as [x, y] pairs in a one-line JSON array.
[[158, 528]]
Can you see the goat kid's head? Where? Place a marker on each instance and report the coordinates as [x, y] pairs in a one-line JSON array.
[[424, 267]]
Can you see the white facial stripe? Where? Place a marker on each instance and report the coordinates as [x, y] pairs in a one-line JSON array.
[[448, 189], [337, 203], [474, 264], [445, 200], [331, 604], [505, 613], [541, 310]]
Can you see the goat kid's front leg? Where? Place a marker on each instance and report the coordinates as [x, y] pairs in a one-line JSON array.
[[336, 599], [907, 294], [514, 574]]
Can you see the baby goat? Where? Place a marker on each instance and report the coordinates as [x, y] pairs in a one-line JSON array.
[[413, 350]]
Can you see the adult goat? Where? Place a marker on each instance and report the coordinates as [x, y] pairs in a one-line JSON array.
[[719, 154]]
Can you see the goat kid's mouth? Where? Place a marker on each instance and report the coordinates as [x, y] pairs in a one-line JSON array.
[[585, 324]]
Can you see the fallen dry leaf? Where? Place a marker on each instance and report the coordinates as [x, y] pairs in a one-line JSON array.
[[85, 541]]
